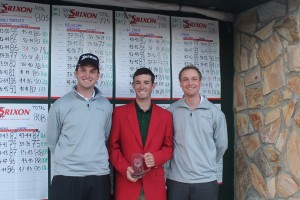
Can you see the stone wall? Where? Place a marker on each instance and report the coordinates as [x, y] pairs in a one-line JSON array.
[[266, 106]]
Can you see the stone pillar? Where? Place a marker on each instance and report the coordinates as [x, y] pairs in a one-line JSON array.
[[266, 106]]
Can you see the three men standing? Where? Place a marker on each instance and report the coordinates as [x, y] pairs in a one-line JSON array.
[[78, 128]]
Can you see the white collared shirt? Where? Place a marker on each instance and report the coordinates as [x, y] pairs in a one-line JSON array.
[[86, 98]]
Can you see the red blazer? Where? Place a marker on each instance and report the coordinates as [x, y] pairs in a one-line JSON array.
[[125, 139]]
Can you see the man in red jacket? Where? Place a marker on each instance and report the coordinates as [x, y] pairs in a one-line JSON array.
[[141, 127]]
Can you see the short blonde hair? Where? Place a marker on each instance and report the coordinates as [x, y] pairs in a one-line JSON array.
[[190, 67]]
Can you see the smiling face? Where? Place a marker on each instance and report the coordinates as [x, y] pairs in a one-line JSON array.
[[87, 77], [143, 86], [190, 82]]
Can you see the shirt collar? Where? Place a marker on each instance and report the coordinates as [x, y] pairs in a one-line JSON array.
[[86, 98], [201, 98], [137, 107], [202, 104]]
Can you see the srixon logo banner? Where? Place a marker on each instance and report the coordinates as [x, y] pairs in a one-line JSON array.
[[5, 112], [190, 24], [6, 8], [75, 14], [135, 19]]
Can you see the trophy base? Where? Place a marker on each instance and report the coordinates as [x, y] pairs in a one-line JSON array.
[[137, 175]]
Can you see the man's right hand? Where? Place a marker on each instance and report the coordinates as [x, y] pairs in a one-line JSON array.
[[128, 173]]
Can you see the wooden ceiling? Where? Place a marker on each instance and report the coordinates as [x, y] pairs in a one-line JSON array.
[[230, 6]]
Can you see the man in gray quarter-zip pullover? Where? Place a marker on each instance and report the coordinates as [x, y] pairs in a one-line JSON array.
[[78, 129], [200, 141]]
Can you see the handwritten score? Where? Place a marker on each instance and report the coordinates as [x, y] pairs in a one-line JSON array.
[[78, 30], [196, 41], [24, 49], [23, 151], [142, 40]]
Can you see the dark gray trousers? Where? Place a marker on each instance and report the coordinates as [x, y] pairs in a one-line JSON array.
[[80, 188], [192, 191]]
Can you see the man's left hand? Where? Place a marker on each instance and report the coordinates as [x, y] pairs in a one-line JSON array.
[[149, 160]]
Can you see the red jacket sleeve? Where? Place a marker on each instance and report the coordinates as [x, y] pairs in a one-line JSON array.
[[166, 151], [115, 154]]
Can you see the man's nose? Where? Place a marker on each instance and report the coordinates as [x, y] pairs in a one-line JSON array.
[[142, 85], [87, 74]]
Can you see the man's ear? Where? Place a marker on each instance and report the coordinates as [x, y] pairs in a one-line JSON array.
[[154, 85]]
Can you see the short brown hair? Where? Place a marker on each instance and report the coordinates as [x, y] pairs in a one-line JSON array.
[[190, 67], [142, 71]]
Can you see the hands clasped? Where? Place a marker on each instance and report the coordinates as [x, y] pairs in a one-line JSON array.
[[137, 171]]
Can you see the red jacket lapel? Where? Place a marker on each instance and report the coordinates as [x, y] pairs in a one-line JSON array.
[[133, 122], [154, 123]]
